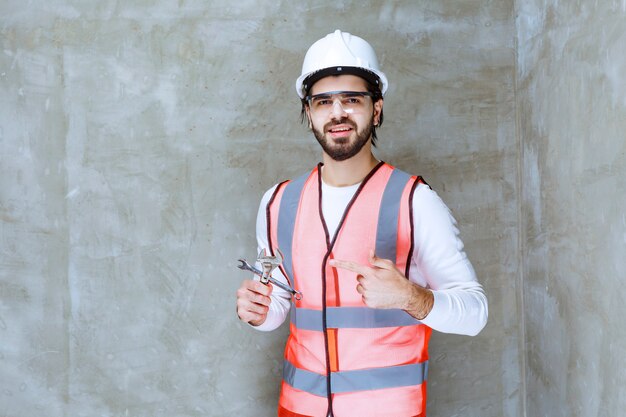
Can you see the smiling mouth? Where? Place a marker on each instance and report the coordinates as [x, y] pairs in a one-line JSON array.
[[340, 132]]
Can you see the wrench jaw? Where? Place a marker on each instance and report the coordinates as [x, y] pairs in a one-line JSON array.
[[242, 264], [268, 263], [245, 266]]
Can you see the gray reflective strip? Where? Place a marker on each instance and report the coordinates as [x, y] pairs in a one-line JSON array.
[[358, 380], [378, 378], [387, 232], [287, 220], [351, 318], [304, 380]]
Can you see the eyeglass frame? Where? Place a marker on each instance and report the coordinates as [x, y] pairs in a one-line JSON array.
[[309, 98]]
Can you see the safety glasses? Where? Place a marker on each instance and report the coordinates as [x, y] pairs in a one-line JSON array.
[[350, 101]]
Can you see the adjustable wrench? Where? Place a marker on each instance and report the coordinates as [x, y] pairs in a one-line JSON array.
[[244, 265]]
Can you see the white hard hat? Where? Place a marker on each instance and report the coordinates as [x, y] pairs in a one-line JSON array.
[[340, 53]]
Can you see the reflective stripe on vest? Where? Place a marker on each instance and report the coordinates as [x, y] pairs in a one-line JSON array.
[[386, 237], [287, 220], [351, 318], [357, 380]]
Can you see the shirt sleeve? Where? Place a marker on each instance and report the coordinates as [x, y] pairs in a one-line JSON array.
[[281, 299], [440, 264]]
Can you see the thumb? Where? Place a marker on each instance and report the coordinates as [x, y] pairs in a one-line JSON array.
[[379, 262], [371, 257]]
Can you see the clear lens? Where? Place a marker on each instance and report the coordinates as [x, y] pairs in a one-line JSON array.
[[350, 101]]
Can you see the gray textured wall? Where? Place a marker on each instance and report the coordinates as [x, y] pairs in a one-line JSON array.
[[136, 139], [572, 113]]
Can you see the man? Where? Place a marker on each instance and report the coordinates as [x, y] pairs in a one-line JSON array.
[[374, 252]]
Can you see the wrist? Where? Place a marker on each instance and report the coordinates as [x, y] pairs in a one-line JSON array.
[[419, 302]]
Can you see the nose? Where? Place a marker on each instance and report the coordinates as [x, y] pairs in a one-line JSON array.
[[338, 112]]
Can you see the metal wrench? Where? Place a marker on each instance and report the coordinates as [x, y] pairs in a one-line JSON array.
[[244, 265], [269, 263]]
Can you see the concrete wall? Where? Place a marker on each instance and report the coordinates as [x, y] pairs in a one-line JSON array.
[[136, 139], [572, 119]]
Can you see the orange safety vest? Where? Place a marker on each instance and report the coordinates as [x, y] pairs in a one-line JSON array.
[[342, 358]]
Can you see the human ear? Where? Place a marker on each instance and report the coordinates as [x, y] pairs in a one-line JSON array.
[[378, 108]]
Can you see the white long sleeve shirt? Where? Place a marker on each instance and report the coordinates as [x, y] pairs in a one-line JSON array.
[[439, 262]]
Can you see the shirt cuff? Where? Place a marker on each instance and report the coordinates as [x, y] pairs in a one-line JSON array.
[[440, 311]]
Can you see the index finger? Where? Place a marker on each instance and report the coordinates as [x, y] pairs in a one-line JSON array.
[[258, 287], [350, 266]]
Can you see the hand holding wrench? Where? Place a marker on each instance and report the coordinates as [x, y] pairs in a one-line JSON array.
[[244, 265]]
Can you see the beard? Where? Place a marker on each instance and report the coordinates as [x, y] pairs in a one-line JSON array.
[[342, 149]]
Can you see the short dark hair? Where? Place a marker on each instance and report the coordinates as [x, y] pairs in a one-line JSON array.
[[376, 95]]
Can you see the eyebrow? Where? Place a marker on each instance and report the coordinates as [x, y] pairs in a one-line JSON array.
[[330, 93]]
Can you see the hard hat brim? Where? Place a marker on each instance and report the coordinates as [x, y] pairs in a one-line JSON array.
[[376, 78]]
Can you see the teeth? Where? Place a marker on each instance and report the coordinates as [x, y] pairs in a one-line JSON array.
[[343, 129]]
